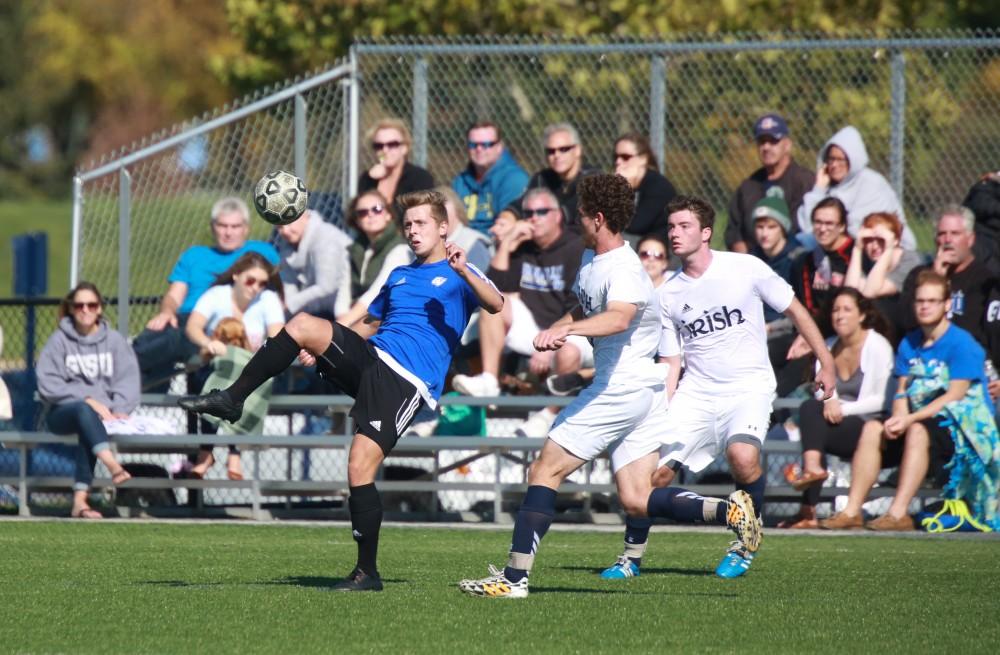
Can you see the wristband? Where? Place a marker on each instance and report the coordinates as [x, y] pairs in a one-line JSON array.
[[899, 396]]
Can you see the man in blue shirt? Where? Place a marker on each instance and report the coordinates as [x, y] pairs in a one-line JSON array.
[[162, 343], [941, 382], [391, 362], [492, 180]]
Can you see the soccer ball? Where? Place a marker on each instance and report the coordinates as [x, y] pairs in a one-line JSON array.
[[280, 197]]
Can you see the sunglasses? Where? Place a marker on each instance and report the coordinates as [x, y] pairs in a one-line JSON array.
[[561, 150], [376, 210], [476, 145], [92, 306], [387, 145], [531, 213], [624, 156], [651, 254], [253, 282]]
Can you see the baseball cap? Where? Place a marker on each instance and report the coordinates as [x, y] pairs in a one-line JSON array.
[[771, 125], [773, 207]]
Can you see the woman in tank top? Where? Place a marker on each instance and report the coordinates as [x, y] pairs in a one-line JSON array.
[[863, 358]]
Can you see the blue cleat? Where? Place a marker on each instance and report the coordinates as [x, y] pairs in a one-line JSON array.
[[736, 562], [623, 568]]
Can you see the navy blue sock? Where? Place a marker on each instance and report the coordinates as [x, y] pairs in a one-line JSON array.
[[756, 491], [533, 520], [636, 533], [677, 504]]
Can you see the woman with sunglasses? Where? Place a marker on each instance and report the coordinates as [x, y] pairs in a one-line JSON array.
[[240, 292], [655, 259], [377, 250], [391, 174], [635, 161], [87, 374]]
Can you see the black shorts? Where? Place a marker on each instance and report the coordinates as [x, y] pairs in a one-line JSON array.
[[385, 402], [942, 448]]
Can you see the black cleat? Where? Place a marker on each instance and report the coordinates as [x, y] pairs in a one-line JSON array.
[[358, 580], [217, 403]]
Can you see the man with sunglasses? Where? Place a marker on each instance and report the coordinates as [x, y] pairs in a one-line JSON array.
[[491, 180], [566, 167], [392, 362], [534, 266], [779, 173]]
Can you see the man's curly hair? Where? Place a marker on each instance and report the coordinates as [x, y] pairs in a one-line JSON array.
[[612, 196], [695, 205]]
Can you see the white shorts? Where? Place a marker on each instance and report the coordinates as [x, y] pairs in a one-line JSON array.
[[698, 427], [523, 330], [626, 421]]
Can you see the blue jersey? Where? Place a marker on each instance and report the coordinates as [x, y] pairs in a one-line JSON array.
[[424, 309], [956, 355]]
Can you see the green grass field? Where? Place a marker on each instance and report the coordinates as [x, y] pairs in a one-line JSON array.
[[168, 588]]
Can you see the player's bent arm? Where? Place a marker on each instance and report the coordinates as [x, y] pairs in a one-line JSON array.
[[673, 375], [489, 298], [806, 326], [616, 318]]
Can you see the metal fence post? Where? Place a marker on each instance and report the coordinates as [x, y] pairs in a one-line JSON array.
[[301, 136], [420, 111], [124, 227], [658, 108], [345, 145], [353, 136], [74, 262], [897, 135]]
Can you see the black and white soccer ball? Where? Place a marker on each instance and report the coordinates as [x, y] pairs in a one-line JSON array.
[[280, 197]]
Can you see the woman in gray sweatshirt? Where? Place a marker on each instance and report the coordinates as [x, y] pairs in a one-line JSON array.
[[87, 374]]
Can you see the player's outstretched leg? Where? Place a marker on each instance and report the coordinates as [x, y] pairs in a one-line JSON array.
[[277, 354], [744, 522], [636, 538]]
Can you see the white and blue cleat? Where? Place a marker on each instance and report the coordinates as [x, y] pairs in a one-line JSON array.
[[620, 570]]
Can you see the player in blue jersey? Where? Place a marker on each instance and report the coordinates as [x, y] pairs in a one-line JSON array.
[[391, 362]]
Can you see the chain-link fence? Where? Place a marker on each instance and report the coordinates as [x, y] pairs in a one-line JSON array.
[[924, 102]]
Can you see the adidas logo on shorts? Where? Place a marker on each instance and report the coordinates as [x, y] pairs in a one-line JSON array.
[[377, 425]]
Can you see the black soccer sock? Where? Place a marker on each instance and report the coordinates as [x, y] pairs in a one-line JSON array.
[[683, 506], [636, 536], [277, 354], [756, 491], [533, 521], [366, 521]]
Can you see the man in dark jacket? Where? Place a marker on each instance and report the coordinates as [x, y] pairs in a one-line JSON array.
[[535, 266], [984, 201], [779, 172]]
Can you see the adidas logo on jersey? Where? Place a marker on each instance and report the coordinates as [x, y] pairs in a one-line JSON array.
[[686, 308], [712, 320], [377, 425]]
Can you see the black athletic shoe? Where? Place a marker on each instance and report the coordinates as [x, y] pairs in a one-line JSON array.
[[358, 580], [217, 403]]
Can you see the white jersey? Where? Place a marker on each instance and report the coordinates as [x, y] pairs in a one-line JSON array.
[[718, 320], [626, 357]]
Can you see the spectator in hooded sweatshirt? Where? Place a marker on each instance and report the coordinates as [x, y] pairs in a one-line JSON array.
[[492, 179], [87, 374], [842, 172], [984, 201]]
